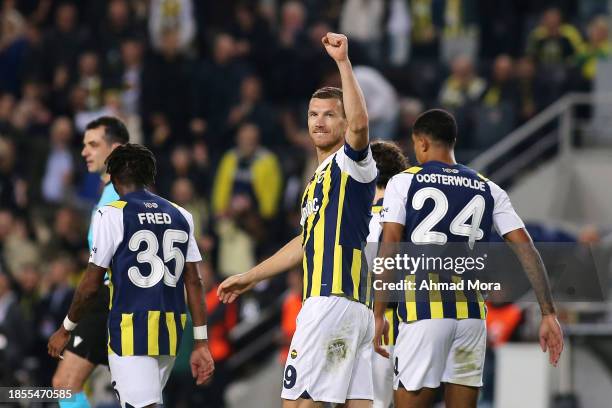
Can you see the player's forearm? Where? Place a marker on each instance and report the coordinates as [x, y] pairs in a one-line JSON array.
[[195, 294], [85, 293], [284, 259], [354, 107], [534, 267]]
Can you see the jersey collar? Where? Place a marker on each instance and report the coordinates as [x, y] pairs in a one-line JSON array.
[[327, 160]]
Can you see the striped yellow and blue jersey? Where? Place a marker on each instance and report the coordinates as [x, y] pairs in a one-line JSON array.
[[145, 241], [374, 235], [440, 204], [335, 216]]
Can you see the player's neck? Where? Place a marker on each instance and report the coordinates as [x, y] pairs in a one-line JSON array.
[[323, 154], [123, 189], [443, 156]]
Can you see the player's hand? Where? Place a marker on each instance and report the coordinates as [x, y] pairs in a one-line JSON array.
[[234, 286], [202, 364], [551, 338], [381, 332], [336, 46], [58, 342]]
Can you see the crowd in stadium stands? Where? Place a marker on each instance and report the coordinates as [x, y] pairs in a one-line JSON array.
[[219, 91]]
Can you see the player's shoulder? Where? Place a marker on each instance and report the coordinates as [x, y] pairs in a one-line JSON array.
[[113, 208]]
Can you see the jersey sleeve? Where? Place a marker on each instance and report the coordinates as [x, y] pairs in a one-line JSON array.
[[359, 164], [193, 252], [396, 194], [505, 219], [107, 232]]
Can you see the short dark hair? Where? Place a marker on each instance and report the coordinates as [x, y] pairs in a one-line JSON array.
[[438, 124], [114, 129], [329, 92], [389, 161], [132, 164]]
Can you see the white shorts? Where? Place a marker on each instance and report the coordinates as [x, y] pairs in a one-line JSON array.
[[383, 378], [432, 351], [139, 380], [330, 357]]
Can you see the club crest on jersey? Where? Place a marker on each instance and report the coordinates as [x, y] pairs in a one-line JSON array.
[[311, 207]]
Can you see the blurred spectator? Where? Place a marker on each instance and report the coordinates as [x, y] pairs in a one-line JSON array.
[[462, 86], [292, 304], [29, 280], [427, 22], [528, 89], [252, 108], [249, 171], [381, 100], [68, 235], [165, 89], [17, 247], [553, 42], [14, 333], [502, 88], [60, 163], [217, 88], [90, 80], [65, 40], [183, 194], [459, 32], [131, 75], [598, 48], [362, 22], [12, 187], [54, 306], [117, 26], [254, 39], [183, 165], [399, 25], [172, 15], [31, 115], [13, 45]]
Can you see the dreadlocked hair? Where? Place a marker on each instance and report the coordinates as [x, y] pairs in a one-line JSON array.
[[132, 164]]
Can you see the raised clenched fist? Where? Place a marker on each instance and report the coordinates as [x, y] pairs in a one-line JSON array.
[[336, 46]]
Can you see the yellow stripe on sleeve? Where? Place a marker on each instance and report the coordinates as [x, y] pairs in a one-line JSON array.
[[171, 323], [413, 170], [127, 334], [183, 320], [460, 301], [153, 333], [411, 314], [118, 204], [319, 236], [337, 276], [435, 298]]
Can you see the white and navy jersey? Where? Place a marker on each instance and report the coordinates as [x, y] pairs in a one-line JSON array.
[[440, 203], [375, 235], [145, 241], [335, 216]]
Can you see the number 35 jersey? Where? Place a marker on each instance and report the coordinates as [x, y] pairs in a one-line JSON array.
[[438, 204], [145, 241]]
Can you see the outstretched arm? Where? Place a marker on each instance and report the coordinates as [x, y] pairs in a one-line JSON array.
[[336, 46], [284, 259], [202, 365], [551, 336]]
